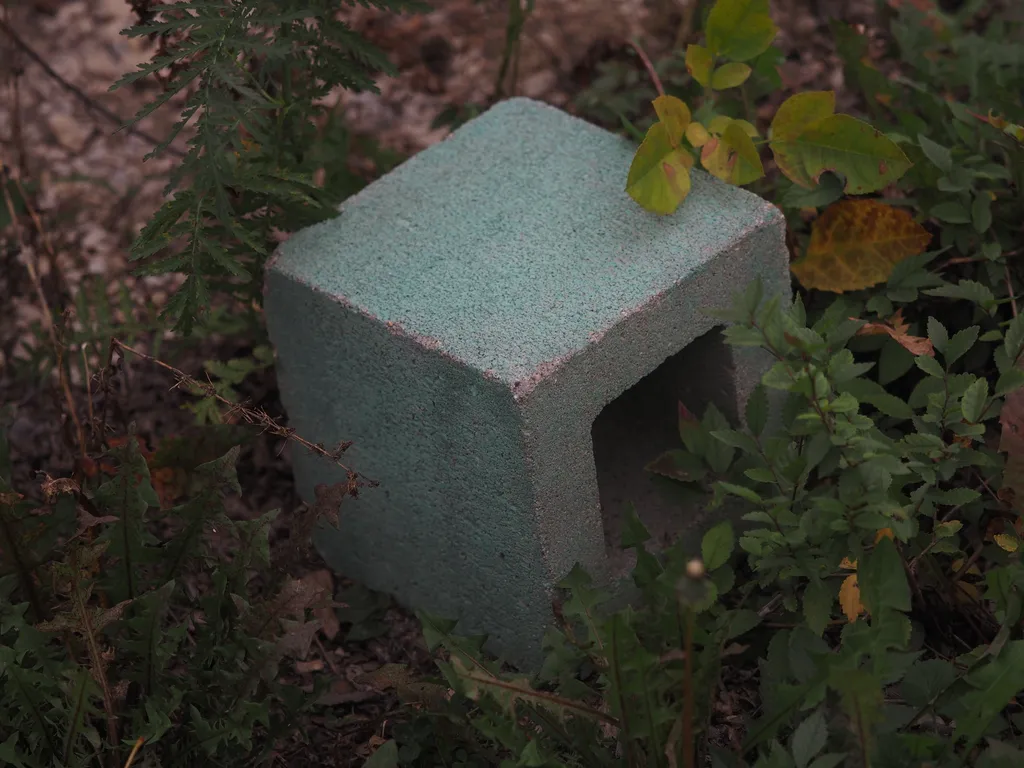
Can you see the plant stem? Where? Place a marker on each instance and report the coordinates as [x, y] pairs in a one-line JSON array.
[[648, 65]]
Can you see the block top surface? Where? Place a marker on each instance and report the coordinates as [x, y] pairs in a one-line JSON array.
[[512, 244]]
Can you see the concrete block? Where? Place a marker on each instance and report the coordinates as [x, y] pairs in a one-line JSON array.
[[505, 335]]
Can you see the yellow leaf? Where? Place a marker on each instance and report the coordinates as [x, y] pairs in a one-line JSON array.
[[714, 156], [856, 243], [675, 115], [697, 134], [1006, 541], [698, 64], [885, 533], [730, 75], [848, 564], [718, 124], [849, 598]]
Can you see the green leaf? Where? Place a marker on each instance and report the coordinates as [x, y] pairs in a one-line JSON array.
[[730, 75], [385, 756], [973, 403], [698, 64], [809, 739], [818, 600], [659, 177], [938, 154], [740, 30], [951, 212], [925, 680], [994, 685], [937, 334], [738, 490], [882, 579], [634, 532], [969, 290], [840, 143], [960, 344], [756, 414], [717, 545], [981, 212], [930, 366], [679, 465]]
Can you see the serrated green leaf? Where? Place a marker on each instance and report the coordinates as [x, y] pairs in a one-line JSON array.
[[756, 413], [937, 334], [717, 545], [882, 579], [809, 739], [960, 344], [974, 400], [818, 600]]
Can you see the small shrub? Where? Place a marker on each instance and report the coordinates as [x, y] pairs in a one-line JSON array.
[[126, 633]]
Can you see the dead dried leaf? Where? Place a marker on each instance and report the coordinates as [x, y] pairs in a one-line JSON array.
[[328, 617], [856, 243], [897, 329]]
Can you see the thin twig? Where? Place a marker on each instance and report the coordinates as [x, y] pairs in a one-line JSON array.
[[255, 417], [89, 102], [650, 67]]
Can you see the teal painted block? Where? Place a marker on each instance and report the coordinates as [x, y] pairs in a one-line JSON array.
[[504, 334]]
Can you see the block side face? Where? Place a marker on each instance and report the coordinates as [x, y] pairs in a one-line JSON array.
[[513, 242], [450, 528], [561, 410]]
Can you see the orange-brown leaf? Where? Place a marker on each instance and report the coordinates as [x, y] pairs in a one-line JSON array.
[[897, 329], [849, 598], [856, 243]]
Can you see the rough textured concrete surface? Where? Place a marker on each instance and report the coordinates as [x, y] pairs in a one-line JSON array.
[[504, 334]]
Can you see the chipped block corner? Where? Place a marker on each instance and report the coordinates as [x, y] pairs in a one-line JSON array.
[[504, 335]]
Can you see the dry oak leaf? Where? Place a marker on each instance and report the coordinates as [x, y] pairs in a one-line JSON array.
[[897, 328], [856, 243]]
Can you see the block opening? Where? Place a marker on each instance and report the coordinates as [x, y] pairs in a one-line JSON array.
[[640, 424]]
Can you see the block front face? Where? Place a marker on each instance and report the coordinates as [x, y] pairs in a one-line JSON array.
[[466, 320], [512, 244], [450, 529]]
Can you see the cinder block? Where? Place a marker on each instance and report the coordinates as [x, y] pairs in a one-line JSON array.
[[505, 335]]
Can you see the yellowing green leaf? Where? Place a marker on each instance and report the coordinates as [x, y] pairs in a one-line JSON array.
[[844, 144], [1006, 541], [675, 115], [856, 243], [799, 111], [747, 167], [849, 598], [732, 156], [730, 75], [698, 64], [697, 134], [659, 178], [740, 30]]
